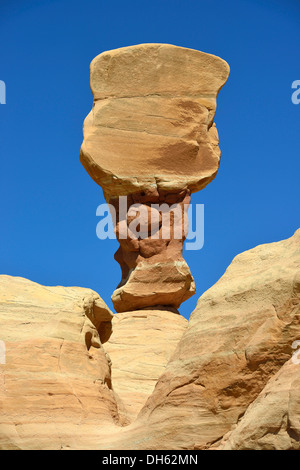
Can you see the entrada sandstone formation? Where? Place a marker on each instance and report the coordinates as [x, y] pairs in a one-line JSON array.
[[151, 137], [76, 377]]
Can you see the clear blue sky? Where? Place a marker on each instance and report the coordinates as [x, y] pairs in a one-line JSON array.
[[48, 202]]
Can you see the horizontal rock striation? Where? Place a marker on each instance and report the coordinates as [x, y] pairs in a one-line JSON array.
[[151, 126]]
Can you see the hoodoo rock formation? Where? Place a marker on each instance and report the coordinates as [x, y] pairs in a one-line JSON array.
[[151, 137]]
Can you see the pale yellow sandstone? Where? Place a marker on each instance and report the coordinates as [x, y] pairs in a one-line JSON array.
[[63, 351], [272, 421], [75, 377], [151, 125], [141, 345], [56, 382], [239, 336]]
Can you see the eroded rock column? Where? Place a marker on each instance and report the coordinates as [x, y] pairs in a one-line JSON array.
[[150, 137], [151, 231]]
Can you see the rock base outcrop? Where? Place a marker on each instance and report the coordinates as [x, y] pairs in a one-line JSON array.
[[56, 381], [72, 374], [141, 345], [236, 351], [77, 377]]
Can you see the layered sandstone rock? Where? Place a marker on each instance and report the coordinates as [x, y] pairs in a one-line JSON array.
[[239, 337], [73, 375], [140, 346], [150, 136], [272, 421], [55, 385], [152, 121]]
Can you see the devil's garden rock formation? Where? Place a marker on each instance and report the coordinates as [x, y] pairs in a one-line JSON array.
[[151, 137], [77, 377]]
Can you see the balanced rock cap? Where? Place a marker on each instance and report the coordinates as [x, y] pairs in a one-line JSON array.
[[151, 126]]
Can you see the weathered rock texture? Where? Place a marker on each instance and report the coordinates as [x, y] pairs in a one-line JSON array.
[[75, 378], [151, 126], [151, 136], [239, 337], [56, 383], [56, 389], [153, 269], [140, 347], [272, 421]]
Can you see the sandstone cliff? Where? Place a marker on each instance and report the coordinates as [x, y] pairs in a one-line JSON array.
[[62, 348], [77, 377], [239, 337]]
